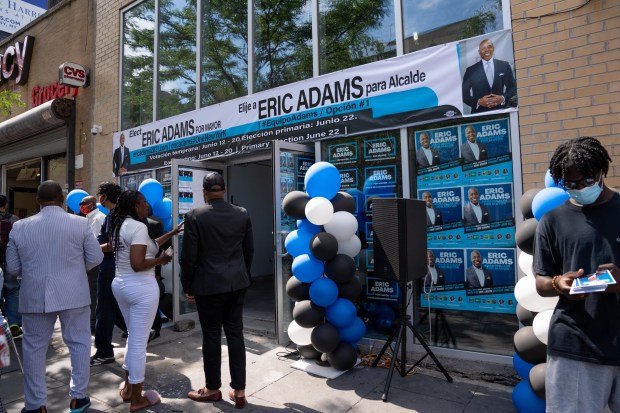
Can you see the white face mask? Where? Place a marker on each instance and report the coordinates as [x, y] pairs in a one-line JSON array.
[[587, 195]]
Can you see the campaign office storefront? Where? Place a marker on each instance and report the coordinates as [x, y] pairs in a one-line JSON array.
[[368, 121], [49, 137]]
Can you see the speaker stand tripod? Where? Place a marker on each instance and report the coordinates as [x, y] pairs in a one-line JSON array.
[[400, 334]]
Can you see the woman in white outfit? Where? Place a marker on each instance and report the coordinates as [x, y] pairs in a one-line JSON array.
[[135, 288]]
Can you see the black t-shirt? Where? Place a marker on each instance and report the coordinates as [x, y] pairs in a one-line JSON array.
[[569, 238]]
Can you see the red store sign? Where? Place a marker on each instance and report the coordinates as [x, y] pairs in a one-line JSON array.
[[42, 94]]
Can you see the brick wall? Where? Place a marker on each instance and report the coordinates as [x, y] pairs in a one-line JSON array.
[[568, 78]]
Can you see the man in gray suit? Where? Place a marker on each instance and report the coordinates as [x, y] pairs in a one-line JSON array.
[[215, 272], [478, 276], [52, 251]]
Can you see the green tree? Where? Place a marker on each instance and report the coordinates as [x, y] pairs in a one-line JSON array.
[[9, 100]]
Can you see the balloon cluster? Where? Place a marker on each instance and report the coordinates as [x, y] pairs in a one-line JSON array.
[[150, 188], [324, 285], [533, 310]]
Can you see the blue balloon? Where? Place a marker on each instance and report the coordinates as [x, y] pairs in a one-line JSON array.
[[163, 208], [342, 313], [307, 268], [323, 292], [521, 366], [102, 209], [298, 242], [353, 333], [322, 179], [167, 224], [549, 183], [74, 198], [546, 200], [152, 191], [525, 400], [306, 225]]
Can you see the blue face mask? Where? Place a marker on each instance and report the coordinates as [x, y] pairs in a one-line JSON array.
[[587, 195]]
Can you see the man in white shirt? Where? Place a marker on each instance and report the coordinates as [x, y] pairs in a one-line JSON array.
[[473, 150], [433, 215], [426, 156], [474, 212], [120, 159], [434, 274], [477, 276]]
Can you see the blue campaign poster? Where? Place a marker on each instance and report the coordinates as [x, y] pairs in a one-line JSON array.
[[444, 216], [437, 149], [488, 215], [490, 270]]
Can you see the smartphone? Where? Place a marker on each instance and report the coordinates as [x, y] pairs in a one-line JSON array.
[[169, 252]]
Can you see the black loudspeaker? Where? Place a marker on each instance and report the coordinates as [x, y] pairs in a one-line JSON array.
[[399, 237]]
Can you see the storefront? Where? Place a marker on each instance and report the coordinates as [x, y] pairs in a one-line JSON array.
[[49, 137], [260, 100]]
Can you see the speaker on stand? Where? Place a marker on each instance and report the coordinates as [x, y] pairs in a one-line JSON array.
[[399, 238]]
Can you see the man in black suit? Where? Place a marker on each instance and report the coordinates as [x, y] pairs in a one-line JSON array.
[[478, 276], [488, 84], [473, 150], [120, 160], [434, 274], [426, 156], [475, 213], [433, 215], [215, 263]]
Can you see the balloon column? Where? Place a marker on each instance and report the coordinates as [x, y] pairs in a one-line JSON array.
[[154, 194], [324, 285], [533, 311]]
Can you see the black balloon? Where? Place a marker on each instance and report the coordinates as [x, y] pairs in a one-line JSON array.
[[343, 202], [297, 290], [343, 357], [350, 290], [324, 246], [526, 317], [340, 269], [308, 352], [524, 236], [325, 337], [537, 379], [526, 202], [529, 347], [294, 204], [307, 314]]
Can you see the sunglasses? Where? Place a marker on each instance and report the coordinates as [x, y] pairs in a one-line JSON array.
[[585, 182]]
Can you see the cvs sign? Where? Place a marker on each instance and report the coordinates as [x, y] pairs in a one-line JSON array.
[[72, 74]]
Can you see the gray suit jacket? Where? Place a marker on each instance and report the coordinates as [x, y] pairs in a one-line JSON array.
[[474, 282], [218, 248], [52, 251]]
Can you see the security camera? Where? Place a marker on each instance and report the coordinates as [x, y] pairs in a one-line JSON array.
[[96, 129]]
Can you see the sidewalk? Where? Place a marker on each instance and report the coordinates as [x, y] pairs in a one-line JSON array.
[[174, 366]]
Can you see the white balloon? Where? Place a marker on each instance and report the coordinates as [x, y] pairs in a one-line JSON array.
[[527, 296], [526, 261], [298, 334], [350, 247], [343, 225], [319, 210], [541, 325]]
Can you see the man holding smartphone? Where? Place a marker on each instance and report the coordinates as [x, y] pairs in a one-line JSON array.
[[577, 238]]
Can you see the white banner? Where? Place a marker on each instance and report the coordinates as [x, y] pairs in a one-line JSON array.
[[15, 14]]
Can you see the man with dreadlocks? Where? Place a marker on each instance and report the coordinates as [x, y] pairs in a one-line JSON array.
[[580, 237]]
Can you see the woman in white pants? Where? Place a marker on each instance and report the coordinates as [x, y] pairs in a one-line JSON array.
[[135, 288]]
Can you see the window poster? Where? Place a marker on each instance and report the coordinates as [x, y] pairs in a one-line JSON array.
[[464, 174]]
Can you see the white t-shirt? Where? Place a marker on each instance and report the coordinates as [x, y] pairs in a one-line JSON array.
[[134, 233]]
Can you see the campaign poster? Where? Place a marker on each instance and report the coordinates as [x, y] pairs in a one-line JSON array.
[[448, 266], [490, 270], [381, 148], [488, 215], [444, 215], [381, 289], [485, 151], [436, 149]]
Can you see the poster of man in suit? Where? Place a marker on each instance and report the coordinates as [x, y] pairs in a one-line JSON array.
[[120, 159], [488, 82]]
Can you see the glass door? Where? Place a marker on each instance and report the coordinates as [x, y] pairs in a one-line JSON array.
[[186, 195], [290, 163]]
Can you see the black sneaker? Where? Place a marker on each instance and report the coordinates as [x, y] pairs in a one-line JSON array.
[[41, 409], [79, 405], [16, 331], [99, 360]]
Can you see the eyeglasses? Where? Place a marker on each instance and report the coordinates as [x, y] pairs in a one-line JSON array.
[[583, 183]]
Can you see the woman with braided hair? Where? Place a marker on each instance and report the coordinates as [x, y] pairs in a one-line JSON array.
[[135, 288]]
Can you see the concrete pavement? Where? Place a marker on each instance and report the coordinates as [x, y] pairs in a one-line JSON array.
[[174, 366]]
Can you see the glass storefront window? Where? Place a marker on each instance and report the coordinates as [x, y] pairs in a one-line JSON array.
[[177, 57], [283, 42], [429, 24], [224, 51], [355, 32], [463, 171], [137, 75]]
